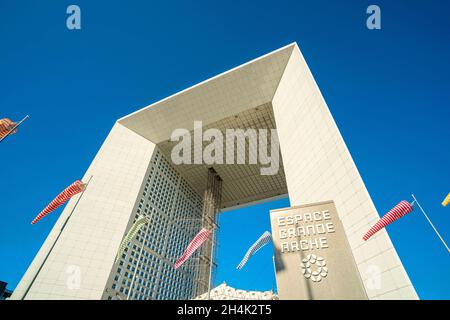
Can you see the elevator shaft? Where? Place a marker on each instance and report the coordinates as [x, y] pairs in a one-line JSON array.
[[211, 206]]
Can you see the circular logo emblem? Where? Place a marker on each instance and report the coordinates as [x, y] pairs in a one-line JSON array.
[[320, 271]]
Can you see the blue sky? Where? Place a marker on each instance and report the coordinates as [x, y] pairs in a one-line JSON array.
[[388, 91]]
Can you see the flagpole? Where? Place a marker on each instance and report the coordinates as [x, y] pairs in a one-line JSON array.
[[139, 258], [274, 272], [214, 226], [15, 127], [211, 262], [56, 240], [432, 225]]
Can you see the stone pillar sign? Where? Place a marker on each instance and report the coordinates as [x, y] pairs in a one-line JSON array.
[[313, 259]]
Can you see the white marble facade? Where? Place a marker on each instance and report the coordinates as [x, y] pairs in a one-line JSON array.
[[317, 166]]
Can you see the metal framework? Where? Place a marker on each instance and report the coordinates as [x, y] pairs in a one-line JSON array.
[[211, 205]]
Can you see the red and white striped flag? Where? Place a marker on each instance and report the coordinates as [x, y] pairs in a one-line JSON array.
[[68, 193], [5, 127], [395, 213], [192, 247]]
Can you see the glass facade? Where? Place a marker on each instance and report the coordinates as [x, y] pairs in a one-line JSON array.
[[145, 270]]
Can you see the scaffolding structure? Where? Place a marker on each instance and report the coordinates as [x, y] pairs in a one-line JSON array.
[[211, 205]]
